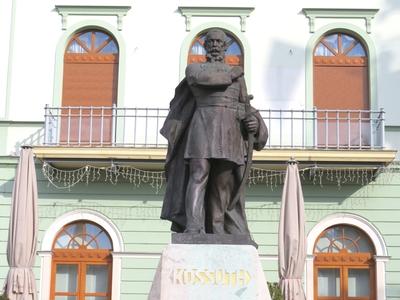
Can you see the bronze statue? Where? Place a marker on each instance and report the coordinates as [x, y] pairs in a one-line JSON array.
[[211, 131]]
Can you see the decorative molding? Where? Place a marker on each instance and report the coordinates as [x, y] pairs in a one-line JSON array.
[[47, 242], [60, 51], [339, 13], [326, 259], [20, 123], [372, 61], [45, 274], [371, 231], [350, 219], [44, 253], [93, 58], [268, 257], [155, 255], [308, 279], [136, 255], [157, 155], [83, 214], [77, 10], [197, 11], [382, 258]]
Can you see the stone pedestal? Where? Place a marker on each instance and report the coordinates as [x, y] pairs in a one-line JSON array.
[[209, 271]]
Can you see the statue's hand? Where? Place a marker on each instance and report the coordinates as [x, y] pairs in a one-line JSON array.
[[251, 124], [236, 72]]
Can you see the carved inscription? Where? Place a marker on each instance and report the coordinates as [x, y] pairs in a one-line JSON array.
[[208, 277]]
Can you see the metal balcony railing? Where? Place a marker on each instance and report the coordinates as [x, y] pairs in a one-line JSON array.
[[139, 127]]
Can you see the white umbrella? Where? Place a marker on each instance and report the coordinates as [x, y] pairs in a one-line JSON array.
[[292, 244], [22, 235]]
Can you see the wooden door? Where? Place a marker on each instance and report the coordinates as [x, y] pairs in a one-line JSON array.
[[90, 88], [341, 83]]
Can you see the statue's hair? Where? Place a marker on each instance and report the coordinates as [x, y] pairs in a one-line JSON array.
[[218, 31]]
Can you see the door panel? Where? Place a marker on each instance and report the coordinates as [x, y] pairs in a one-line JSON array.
[[329, 283], [358, 283], [90, 84], [342, 88], [97, 278], [86, 126], [66, 281], [341, 82], [90, 79], [343, 283]]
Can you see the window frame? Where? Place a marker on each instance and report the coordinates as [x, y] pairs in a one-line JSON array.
[[381, 254], [60, 51], [82, 257], [344, 261], [76, 127], [47, 242], [370, 51]]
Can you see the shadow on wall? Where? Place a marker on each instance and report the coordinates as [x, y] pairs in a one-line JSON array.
[[389, 7], [388, 63], [388, 84], [36, 138], [282, 76]]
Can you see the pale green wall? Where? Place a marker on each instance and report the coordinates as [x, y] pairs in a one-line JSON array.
[[135, 211], [3, 138]]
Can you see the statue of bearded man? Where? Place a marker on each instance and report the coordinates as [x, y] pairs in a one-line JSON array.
[[208, 130]]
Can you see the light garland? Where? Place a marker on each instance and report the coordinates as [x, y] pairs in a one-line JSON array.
[[65, 179], [317, 175]]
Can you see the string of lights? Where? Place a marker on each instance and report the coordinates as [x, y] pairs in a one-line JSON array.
[[114, 174]]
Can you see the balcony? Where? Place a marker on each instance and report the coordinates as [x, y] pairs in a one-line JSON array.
[[133, 133]]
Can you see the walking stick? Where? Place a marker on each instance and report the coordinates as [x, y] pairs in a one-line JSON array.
[[250, 142]]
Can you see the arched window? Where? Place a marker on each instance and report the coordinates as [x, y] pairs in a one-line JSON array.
[[90, 79], [81, 266], [344, 267], [233, 55], [341, 85]]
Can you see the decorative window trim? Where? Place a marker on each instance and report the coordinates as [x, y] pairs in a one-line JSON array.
[[197, 11], [51, 233], [339, 13], [77, 10], [370, 48], [60, 50], [381, 255]]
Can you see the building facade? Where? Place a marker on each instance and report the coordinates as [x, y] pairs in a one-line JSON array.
[[87, 85]]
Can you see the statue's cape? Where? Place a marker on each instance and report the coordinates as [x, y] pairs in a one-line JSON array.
[[174, 130]]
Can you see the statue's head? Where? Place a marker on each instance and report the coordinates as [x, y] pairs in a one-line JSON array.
[[215, 45]]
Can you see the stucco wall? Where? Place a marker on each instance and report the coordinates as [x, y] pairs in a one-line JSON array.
[[153, 33], [135, 212]]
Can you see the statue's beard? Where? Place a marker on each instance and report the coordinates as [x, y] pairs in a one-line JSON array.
[[215, 57]]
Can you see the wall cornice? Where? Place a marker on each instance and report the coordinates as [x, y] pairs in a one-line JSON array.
[[200, 11], [340, 13], [92, 10]]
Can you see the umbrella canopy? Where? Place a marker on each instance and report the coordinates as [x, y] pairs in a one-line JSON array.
[[22, 235], [292, 245]]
